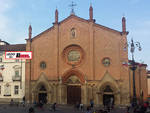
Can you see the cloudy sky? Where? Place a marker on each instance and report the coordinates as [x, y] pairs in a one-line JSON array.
[[16, 15]]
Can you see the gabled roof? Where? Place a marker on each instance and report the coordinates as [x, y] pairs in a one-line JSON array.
[[16, 47], [82, 20], [43, 32], [4, 42], [87, 21], [73, 16]]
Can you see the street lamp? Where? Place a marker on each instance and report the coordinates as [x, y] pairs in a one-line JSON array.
[[133, 67]]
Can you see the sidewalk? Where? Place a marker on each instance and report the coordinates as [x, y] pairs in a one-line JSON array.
[[46, 109]]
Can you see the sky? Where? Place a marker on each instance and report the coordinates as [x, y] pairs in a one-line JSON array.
[[17, 15]]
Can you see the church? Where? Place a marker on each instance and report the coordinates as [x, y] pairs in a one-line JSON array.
[[78, 60]]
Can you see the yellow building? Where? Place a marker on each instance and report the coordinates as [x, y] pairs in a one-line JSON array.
[[141, 85], [12, 74], [148, 82]]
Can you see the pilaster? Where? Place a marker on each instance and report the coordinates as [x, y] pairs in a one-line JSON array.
[[91, 49]]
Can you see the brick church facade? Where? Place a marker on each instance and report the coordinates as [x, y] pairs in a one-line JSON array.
[[78, 60]]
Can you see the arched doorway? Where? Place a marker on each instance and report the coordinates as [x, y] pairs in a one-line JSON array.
[[73, 80], [108, 96], [42, 94], [73, 90]]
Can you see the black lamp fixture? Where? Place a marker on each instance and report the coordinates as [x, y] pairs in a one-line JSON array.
[[133, 67]]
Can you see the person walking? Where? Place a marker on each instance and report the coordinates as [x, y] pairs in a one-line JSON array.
[[11, 102], [54, 106], [77, 105], [31, 110], [91, 103], [81, 106], [23, 100], [88, 110]]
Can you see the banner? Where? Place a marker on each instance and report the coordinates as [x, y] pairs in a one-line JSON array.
[[18, 55]]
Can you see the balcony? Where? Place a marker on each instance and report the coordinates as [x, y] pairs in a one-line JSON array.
[[16, 78]]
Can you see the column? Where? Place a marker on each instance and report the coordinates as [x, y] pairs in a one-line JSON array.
[[59, 93], [84, 94], [54, 94]]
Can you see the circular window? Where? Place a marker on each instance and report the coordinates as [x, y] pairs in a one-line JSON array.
[[42, 65], [73, 55], [106, 62]]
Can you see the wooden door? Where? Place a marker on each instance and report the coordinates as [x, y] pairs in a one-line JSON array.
[[73, 94]]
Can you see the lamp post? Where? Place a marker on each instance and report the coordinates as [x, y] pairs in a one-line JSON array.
[[133, 67]]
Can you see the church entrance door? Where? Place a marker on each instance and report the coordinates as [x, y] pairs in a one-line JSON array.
[[42, 94], [43, 97], [73, 94], [107, 99]]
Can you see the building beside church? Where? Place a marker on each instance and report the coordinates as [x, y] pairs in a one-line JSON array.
[[148, 82], [12, 74], [141, 85], [78, 60]]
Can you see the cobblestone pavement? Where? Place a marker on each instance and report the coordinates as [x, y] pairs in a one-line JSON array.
[[60, 109]]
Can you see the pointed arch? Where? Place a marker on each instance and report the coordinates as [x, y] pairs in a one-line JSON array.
[[77, 73], [111, 86], [108, 80], [42, 80]]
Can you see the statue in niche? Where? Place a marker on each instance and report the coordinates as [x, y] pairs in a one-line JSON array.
[[73, 33]]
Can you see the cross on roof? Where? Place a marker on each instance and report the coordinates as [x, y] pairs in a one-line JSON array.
[[72, 7]]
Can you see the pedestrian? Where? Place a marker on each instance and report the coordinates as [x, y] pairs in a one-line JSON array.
[[145, 105], [54, 106], [41, 104], [23, 100], [91, 103], [31, 110], [35, 104], [81, 106], [148, 110], [77, 105], [128, 108], [105, 112], [11, 102], [88, 110]]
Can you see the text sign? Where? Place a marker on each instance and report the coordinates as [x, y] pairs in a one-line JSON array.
[[18, 55]]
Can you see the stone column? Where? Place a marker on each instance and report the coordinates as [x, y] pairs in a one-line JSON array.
[[33, 97], [59, 93], [64, 94], [117, 99], [101, 98], [54, 94], [96, 97], [84, 94], [49, 100]]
